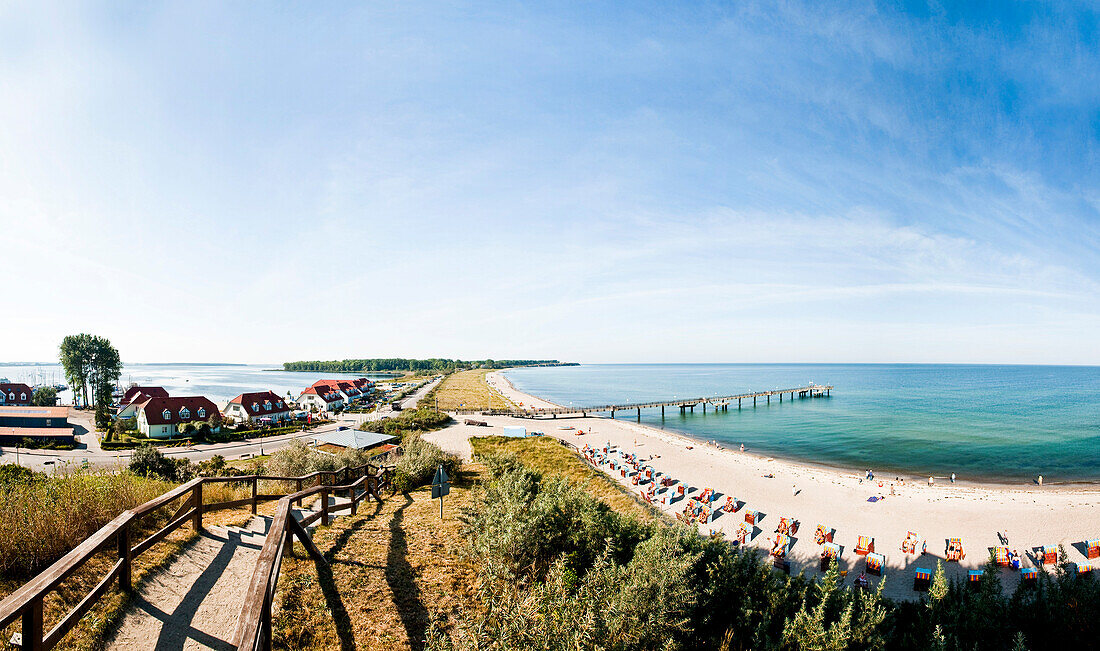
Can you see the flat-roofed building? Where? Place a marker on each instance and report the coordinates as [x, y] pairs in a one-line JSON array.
[[40, 424]]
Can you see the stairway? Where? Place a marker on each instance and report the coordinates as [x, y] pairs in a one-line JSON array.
[[193, 602]]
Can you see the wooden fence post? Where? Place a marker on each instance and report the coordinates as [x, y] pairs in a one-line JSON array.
[[324, 507], [196, 519], [255, 484], [299, 490], [32, 626], [124, 574]]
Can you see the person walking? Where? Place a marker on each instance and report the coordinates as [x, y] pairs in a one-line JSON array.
[[1040, 480], [952, 478]]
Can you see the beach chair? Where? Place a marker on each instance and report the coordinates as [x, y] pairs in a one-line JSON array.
[[742, 533], [680, 490], [706, 496], [779, 546], [973, 576], [875, 563], [830, 553], [1029, 575], [750, 516], [823, 534], [866, 545], [909, 545], [1084, 568], [922, 579], [1000, 556], [730, 505], [1050, 554], [954, 551], [1093, 548], [788, 526]]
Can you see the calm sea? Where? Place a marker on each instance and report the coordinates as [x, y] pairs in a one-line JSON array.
[[219, 382], [981, 422]]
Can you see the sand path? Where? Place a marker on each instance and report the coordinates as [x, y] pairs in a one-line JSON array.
[[194, 602]]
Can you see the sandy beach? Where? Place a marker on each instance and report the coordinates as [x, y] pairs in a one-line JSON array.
[[1029, 516]]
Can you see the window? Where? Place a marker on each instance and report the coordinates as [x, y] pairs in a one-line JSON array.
[[11, 396], [163, 430], [255, 407], [280, 404], [166, 414], [267, 405], [22, 396], [202, 412], [185, 413]]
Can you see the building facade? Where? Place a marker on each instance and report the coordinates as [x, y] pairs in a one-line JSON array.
[[16, 393], [257, 407], [160, 418]]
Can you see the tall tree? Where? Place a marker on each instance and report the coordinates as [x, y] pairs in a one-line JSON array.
[[92, 366]]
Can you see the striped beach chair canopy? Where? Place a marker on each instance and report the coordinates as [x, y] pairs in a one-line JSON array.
[[782, 540], [954, 542], [1029, 572], [864, 543], [922, 574], [1000, 555], [875, 560], [1085, 567], [1050, 549], [831, 549], [975, 575]]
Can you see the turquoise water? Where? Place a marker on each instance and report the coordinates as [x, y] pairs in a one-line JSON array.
[[981, 422]]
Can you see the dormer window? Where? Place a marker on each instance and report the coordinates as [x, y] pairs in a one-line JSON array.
[[267, 405], [166, 414], [255, 407], [22, 396], [280, 404], [202, 412], [185, 413], [11, 396]]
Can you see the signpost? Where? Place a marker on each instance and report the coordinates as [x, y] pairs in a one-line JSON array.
[[441, 485]]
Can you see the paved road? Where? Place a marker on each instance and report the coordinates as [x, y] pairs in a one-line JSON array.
[[408, 403]]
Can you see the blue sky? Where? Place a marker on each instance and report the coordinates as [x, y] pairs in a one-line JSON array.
[[731, 182]]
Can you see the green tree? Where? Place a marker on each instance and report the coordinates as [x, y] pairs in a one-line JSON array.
[[938, 590], [92, 366], [44, 397]]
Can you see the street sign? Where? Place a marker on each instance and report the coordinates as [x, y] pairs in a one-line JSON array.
[[441, 485]]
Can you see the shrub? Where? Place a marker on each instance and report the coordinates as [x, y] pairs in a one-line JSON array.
[[147, 461], [12, 474], [419, 462]]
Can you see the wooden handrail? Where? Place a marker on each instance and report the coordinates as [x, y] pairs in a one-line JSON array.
[[27, 601], [253, 631]]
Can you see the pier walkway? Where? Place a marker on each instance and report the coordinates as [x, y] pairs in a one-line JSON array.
[[684, 404]]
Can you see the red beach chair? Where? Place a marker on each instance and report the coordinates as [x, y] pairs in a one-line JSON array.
[[779, 547], [1093, 547], [750, 517], [1000, 556], [954, 551], [866, 545], [731, 504], [1050, 554], [830, 553], [823, 534], [875, 563]]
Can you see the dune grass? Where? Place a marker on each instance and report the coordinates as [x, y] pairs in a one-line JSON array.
[[549, 457], [468, 390]]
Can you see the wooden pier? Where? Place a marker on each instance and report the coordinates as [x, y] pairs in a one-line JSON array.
[[718, 403]]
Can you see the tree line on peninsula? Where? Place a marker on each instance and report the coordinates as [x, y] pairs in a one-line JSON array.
[[405, 365]]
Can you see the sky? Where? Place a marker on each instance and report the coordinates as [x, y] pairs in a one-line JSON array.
[[642, 182]]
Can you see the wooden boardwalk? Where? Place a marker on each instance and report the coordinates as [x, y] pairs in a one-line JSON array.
[[684, 404]]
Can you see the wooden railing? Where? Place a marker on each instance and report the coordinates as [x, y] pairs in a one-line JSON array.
[[26, 603], [253, 631]]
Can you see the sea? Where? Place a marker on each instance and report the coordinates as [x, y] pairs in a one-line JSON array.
[[218, 382], [986, 423]]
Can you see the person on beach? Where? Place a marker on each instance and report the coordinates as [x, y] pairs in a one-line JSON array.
[[931, 480], [952, 478], [742, 447], [1040, 480]]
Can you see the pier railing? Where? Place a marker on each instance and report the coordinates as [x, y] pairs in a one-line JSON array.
[[808, 391]]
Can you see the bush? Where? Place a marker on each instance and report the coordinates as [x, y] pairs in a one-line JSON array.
[[147, 461], [423, 419], [417, 465], [12, 474]]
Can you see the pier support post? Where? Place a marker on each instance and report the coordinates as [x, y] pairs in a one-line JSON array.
[[704, 407], [692, 409], [754, 401], [612, 413], [738, 403], [781, 397], [769, 398], [639, 413], [662, 411]]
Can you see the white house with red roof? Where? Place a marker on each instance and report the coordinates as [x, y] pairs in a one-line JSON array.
[[322, 397], [15, 393], [160, 418], [134, 396], [257, 407]]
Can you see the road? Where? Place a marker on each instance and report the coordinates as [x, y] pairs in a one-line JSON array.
[[89, 448]]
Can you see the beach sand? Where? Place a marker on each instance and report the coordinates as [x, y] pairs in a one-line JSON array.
[[1030, 516]]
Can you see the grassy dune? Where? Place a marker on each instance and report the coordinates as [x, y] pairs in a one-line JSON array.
[[469, 390]]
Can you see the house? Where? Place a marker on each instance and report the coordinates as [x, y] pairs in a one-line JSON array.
[[15, 393], [321, 397], [160, 418], [42, 424], [257, 407], [134, 396]]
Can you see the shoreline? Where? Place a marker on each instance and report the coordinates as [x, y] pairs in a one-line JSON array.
[[517, 396]]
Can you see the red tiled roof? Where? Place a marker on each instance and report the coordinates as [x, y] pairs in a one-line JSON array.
[[260, 403], [153, 408], [134, 394], [19, 389], [326, 393]]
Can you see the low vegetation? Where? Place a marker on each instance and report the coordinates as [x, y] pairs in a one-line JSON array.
[[422, 419], [467, 390]]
